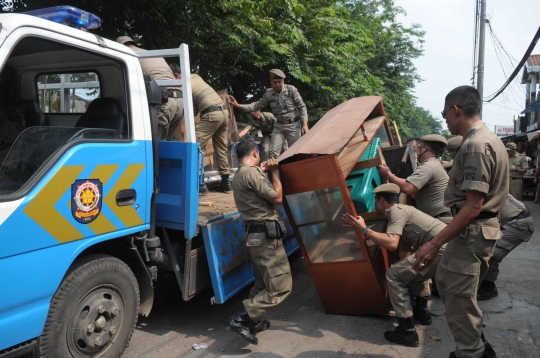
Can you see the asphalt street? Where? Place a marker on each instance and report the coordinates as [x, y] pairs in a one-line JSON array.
[[301, 329]]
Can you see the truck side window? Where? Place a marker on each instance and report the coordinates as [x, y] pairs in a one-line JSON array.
[[59, 96], [67, 92]]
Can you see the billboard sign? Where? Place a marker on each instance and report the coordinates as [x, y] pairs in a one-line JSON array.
[[503, 131]]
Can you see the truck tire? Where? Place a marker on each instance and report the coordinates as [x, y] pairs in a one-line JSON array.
[[94, 311]]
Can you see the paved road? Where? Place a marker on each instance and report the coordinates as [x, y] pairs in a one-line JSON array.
[[301, 329]]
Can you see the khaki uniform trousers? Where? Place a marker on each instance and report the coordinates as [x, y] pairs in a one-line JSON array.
[[423, 289], [461, 269], [516, 188], [266, 145], [166, 113], [284, 133], [273, 281], [177, 120], [402, 282], [516, 232], [215, 125]]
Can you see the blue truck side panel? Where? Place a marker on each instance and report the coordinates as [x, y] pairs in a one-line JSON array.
[[230, 268], [29, 281], [177, 205], [41, 238]]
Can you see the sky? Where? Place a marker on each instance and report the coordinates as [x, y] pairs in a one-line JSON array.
[[448, 51]]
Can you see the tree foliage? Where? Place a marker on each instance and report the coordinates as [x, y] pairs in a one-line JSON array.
[[331, 50]]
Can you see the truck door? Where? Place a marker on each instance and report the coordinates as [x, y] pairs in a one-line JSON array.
[[78, 172]]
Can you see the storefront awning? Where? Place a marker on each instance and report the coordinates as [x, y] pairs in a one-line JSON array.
[[533, 107]]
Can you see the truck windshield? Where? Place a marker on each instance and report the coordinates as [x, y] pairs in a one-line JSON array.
[[34, 148]]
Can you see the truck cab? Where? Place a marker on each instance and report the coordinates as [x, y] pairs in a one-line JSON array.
[[92, 206]]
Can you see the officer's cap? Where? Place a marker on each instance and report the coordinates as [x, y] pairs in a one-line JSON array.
[[435, 138], [454, 142], [387, 188], [278, 73], [511, 145], [125, 39]]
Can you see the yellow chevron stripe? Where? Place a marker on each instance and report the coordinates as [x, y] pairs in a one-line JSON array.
[[41, 208], [103, 172], [127, 214]]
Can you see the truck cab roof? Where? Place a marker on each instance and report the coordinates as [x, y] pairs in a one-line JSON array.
[[11, 21]]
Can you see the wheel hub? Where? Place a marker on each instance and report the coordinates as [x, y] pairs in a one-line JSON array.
[[95, 321]]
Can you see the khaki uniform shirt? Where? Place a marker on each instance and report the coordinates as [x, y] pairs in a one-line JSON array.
[[511, 209], [431, 180], [265, 125], [519, 162], [415, 227], [481, 164], [204, 96], [157, 68], [286, 105], [253, 194]]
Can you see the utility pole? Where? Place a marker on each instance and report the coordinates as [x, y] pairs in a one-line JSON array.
[[481, 49]]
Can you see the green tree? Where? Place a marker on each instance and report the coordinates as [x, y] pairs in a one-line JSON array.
[[331, 50]]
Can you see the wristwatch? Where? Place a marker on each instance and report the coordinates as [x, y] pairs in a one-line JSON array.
[[364, 232], [391, 175]]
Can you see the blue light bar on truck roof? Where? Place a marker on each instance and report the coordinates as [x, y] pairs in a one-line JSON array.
[[68, 15]]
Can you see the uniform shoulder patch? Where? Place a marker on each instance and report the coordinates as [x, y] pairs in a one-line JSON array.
[[86, 200]]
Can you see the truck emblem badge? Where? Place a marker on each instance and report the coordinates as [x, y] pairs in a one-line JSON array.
[[86, 200]]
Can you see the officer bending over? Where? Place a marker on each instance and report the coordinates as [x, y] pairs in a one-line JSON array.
[[256, 199], [518, 228], [408, 227]]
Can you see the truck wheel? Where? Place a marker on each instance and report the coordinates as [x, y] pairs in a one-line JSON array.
[[94, 311]]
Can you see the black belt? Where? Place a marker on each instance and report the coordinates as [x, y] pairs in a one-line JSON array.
[[289, 122], [522, 215], [174, 94], [212, 109], [443, 215], [256, 227], [482, 216]]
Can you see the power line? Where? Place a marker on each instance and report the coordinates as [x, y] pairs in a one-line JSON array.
[[500, 105], [518, 68]]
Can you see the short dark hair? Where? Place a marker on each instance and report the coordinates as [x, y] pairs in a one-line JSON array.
[[388, 197], [245, 148], [467, 98], [175, 68], [436, 148]]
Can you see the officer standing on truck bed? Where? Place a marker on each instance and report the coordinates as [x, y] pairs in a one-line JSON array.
[[158, 69], [476, 193], [256, 199], [408, 227], [213, 123], [288, 107]]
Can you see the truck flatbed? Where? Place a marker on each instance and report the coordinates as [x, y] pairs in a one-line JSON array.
[[215, 204]]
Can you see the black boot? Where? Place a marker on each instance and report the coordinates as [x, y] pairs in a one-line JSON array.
[[404, 334], [489, 352], [487, 291], [203, 189], [260, 326], [241, 324], [225, 185], [421, 312]]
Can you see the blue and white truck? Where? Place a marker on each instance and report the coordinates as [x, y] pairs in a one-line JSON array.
[[92, 206]]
